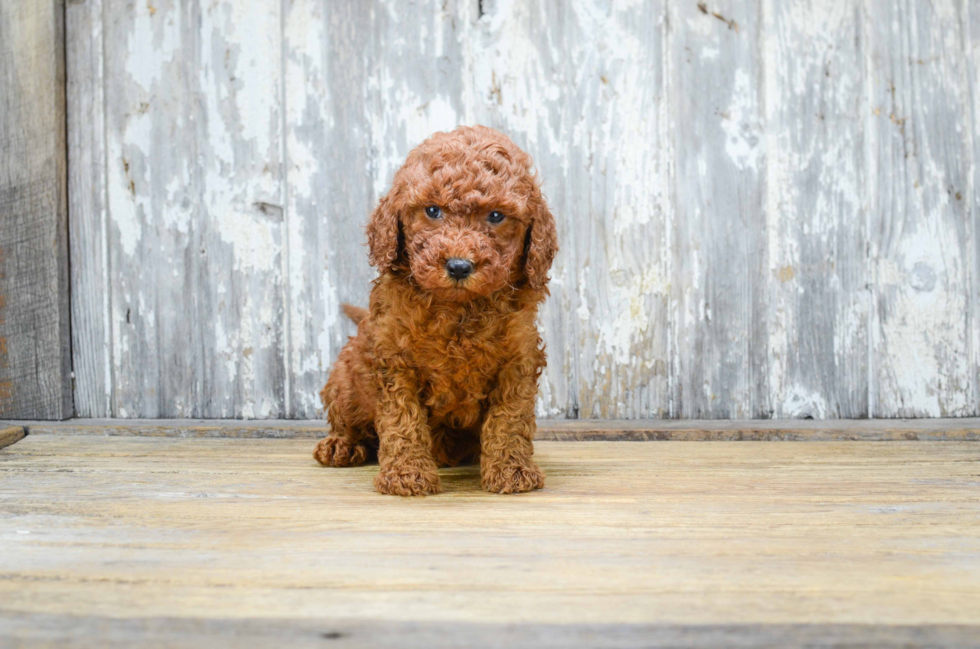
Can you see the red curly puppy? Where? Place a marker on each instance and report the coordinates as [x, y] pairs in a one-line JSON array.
[[445, 364]]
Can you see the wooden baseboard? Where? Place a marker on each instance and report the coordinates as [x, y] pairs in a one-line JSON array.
[[966, 429]]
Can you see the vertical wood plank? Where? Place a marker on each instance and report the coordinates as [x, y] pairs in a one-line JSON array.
[[973, 58], [365, 83], [35, 338], [516, 77], [157, 350], [244, 193], [816, 209], [920, 228], [195, 208], [91, 341], [621, 209], [720, 268], [580, 85]]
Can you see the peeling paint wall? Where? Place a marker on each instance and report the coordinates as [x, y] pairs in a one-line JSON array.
[[767, 209]]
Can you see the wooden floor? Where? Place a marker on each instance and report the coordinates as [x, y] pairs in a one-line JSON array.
[[106, 540]]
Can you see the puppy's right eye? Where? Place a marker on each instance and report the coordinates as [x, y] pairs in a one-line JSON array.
[[433, 212]]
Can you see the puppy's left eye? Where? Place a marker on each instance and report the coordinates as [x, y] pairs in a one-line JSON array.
[[433, 212], [495, 217]]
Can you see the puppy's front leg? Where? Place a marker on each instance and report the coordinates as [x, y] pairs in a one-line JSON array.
[[405, 442], [506, 444]]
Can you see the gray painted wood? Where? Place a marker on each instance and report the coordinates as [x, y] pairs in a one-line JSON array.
[[816, 209], [514, 63], [720, 270], [35, 345], [579, 85], [195, 208], [922, 240], [742, 234], [972, 44], [87, 213], [364, 83]]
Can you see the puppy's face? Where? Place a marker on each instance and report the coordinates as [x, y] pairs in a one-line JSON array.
[[459, 250], [465, 216]]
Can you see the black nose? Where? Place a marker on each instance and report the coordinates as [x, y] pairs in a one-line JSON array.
[[459, 268]]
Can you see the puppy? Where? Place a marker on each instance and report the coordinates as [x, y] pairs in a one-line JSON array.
[[445, 364]]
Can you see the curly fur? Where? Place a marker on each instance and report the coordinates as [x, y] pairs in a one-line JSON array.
[[445, 371]]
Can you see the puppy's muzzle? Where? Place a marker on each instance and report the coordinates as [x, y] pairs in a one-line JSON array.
[[459, 269]]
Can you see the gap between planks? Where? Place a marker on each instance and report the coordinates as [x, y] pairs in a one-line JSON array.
[[357, 634], [960, 430]]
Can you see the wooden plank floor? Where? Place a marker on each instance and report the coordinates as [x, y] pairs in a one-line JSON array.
[[104, 540]]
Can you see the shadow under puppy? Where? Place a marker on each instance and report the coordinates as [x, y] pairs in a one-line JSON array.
[[445, 364]]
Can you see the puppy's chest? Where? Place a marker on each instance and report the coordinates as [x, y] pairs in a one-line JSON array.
[[458, 362]]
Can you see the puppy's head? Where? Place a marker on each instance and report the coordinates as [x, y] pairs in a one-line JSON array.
[[465, 217]]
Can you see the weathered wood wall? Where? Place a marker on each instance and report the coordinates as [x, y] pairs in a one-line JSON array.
[[35, 342], [767, 208]]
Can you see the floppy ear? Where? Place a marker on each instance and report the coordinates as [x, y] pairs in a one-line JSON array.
[[541, 245], [382, 232]]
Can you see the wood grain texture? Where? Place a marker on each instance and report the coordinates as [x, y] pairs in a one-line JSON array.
[[579, 85], [565, 430], [195, 208], [11, 434], [365, 82], [816, 209], [742, 234], [869, 535], [922, 239], [516, 72], [87, 213], [973, 60], [721, 268], [35, 344]]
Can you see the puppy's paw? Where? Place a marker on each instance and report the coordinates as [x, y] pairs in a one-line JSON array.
[[512, 478], [405, 481], [337, 451]]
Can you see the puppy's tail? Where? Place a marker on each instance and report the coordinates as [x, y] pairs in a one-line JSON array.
[[355, 313]]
